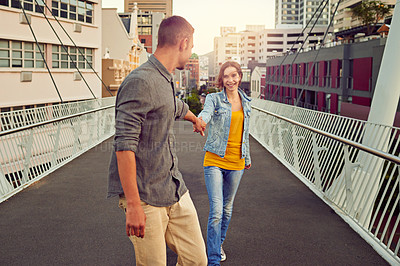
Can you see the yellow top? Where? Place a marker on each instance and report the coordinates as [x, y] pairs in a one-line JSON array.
[[232, 160]]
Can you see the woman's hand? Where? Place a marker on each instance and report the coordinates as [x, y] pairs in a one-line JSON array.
[[247, 166], [199, 126]]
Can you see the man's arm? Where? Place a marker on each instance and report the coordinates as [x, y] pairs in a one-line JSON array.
[[135, 216], [198, 124]]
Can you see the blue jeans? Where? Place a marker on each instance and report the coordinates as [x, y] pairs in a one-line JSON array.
[[221, 187]]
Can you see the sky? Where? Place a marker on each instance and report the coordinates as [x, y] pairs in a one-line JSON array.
[[207, 16]]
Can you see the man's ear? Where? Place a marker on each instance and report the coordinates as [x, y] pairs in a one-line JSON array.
[[183, 44]]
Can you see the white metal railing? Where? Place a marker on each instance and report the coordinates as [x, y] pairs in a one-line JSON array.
[[35, 142], [351, 164]]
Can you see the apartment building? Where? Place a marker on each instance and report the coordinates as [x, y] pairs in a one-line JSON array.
[[297, 13], [160, 6], [25, 80], [226, 47], [344, 18], [148, 23]]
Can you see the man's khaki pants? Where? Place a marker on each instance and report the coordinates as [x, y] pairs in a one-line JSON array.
[[176, 225]]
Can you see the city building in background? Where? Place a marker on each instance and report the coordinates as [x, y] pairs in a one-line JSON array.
[[226, 47], [148, 23], [25, 80], [344, 19], [297, 13], [160, 6], [194, 72], [122, 49], [341, 81]]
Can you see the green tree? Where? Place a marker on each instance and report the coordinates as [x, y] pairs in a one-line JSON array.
[[194, 103], [194, 56], [370, 13]]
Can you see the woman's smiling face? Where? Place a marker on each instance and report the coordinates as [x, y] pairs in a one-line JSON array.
[[231, 79]]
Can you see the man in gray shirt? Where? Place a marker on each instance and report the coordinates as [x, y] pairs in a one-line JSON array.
[[144, 166]]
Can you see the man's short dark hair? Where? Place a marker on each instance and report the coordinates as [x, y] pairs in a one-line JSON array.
[[172, 30]]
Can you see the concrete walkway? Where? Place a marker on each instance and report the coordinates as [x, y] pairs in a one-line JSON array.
[[65, 219]]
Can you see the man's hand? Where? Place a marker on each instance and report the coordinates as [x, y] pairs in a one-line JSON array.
[[135, 221], [247, 166], [199, 126]]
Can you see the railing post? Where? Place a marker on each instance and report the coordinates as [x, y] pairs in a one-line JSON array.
[[56, 137], [296, 138], [348, 172], [5, 186], [26, 144], [317, 168]]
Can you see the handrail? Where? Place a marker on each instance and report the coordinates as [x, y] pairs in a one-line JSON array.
[[14, 130], [376, 152]]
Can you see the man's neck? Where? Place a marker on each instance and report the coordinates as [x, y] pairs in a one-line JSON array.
[[167, 57]]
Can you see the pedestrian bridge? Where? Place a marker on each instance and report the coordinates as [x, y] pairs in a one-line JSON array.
[[322, 189]]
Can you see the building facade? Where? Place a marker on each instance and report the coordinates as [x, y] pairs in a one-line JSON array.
[[344, 18], [226, 47], [25, 80], [341, 80], [194, 70], [148, 23], [160, 6], [297, 13]]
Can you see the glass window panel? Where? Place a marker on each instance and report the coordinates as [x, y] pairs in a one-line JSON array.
[[55, 12], [81, 58], [64, 1], [17, 54], [4, 44], [89, 58], [28, 63], [63, 14], [72, 2], [28, 6], [28, 55], [55, 48], [72, 16], [88, 19], [72, 9], [72, 50], [15, 3], [54, 4], [39, 56], [4, 2], [28, 46], [81, 18], [39, 64], [64, 64], [17, 63], [56, 64], [81, 3], [16, 45], [81, 11], [89, 6], [81, 65], [89, 13], [73, 57], [4, 53], [64, 7], [64, 57], [4, 63], [55, 57]]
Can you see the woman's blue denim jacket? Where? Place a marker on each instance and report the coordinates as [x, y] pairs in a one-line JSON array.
[[217, 114]]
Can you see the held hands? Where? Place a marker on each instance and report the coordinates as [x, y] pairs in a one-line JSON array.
[[247, 166], [199, 126], [135, 221]]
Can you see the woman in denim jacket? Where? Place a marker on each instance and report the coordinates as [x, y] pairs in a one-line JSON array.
[[227, 153]]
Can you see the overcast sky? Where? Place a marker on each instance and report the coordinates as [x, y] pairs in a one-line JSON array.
[[207, 16]]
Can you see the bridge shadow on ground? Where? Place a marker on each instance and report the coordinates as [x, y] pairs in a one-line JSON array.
[[65, 219]]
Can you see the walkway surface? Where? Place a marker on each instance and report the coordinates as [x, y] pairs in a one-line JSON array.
[[65, 219]]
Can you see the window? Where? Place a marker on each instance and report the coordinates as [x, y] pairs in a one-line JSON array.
[[77, 57], [29, 5], [17, 54], [73, 9]]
